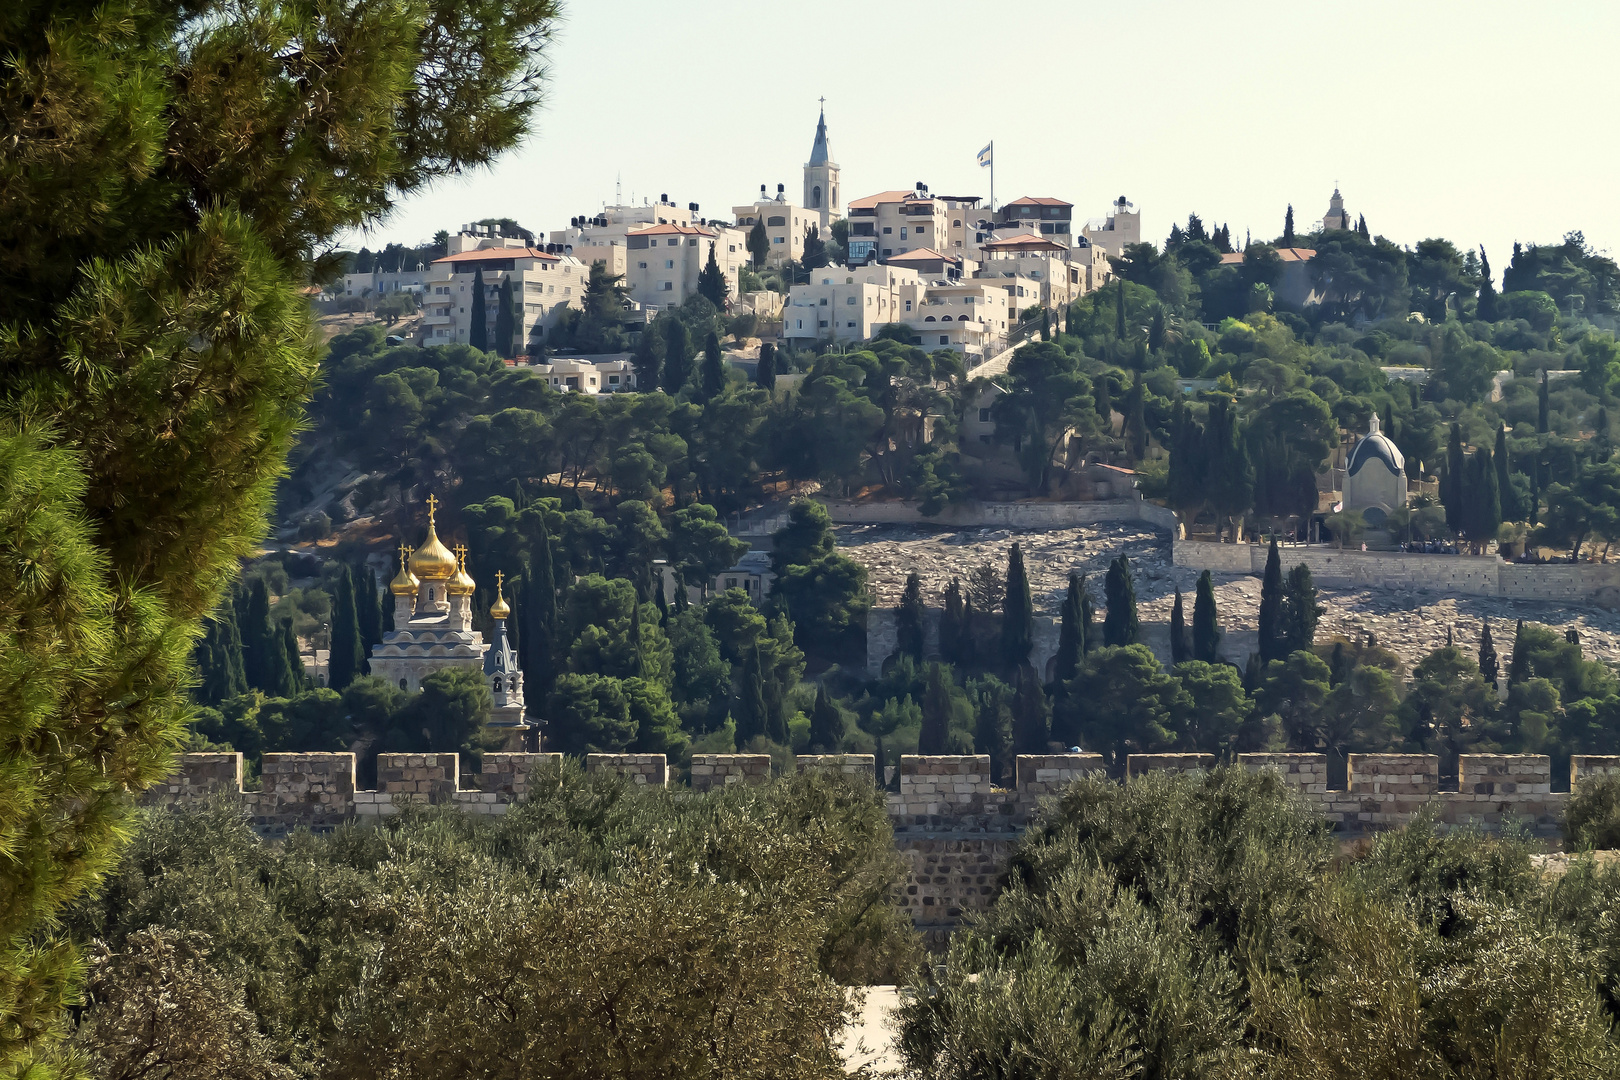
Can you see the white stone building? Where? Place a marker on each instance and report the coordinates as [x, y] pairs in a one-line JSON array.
[[543, 286], [1375, 477], [892, 223], [1121, 226], [665, 261], [849, 305], [785, 224], [433, 628]]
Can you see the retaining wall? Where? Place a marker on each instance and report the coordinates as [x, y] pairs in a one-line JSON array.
[[953, 827], [1459, 575], [1019, 515]]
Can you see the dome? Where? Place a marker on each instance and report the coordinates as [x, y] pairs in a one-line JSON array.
[[433, 561], [1375, 447], [499, 610], [404, 583], [462, 583]]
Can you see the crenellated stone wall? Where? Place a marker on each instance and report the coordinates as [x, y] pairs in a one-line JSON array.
[[953, 827]]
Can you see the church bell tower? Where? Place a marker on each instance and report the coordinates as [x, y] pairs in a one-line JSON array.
[[821, 179]]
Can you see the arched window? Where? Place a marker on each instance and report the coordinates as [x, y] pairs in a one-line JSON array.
[[929, 319], [430, 594], [946, 319], [815, 196], [402, 685], [512, 684], [495, 684]]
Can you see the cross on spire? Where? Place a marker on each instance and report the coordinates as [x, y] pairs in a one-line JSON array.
[[500, 579], [432, 504], [461, 555]]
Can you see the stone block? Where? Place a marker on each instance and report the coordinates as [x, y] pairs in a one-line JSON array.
[[426, 778], [719, 770], [852, 764], [1141, 764], [650, 770], [1588, 766], [1503, 774], [1394, 774]]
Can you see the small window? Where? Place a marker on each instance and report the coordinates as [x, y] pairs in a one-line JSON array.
[[902, 232], [612, 380], [674, 242], [823, 301], [668, 286], [402, 685], [887, 229], [984, 416], [908, 305], [669, 264], [822, 323], [944, 339], [850, 301], [851, 324], [641, 266]]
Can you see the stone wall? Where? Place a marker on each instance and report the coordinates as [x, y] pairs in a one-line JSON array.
[[1019, 515], [1458, 575], [952, 826]]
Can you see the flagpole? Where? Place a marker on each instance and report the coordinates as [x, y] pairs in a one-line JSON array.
[[992, 176]]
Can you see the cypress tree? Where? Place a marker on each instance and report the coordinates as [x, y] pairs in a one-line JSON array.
[[765, 373], [345, 657], [638, 665], [1489, 666], [1156, 332], [1484, 504], [908, 620], [1339, 665], [1136, 418], [368, 607], [537, 619], [1046, 325], [826, 725], [968, 644], [1288, 239], [1273, 642], [776, 727], [1119, 311], [1519, 662], [934, 736], [750, 710], [263, 659], [1361, 228], [295, 662], [677, 356], [1542, 405], [1119, 589], [477, 329], [1454, 481], [1017, 614], [951, 624], [1179, 649], [1088, 619], [221, 676], [1105, 407], [1251, 674], [1509, 500], [1030, 733], [647, 360], [1486, 309], [1071, 635], [505, 325], [1300, 610], [1206, 627], [714, 369]]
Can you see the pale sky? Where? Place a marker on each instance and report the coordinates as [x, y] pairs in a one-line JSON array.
[[1483, 121]]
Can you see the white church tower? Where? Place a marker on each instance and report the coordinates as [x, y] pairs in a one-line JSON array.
[[821, 179]]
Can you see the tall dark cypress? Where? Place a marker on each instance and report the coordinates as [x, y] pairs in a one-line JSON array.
[[259, 660], [477, 327], [1180, 651], [1542, 405], [714, 368], [295, 662], [1017, 614], [345, 659], [1105, 406], [368, 610], [1486, 308], [1206, 625], [1136, 418], [1273, 644], [1454, 482], [826, 725], [677, 356], [1119, 310], [1088, 620], [1300, 610], [1489, 666], [1519, 663], [1071, 635], [908, 619], [952, 624], [538, 614], [1030, 733], [1288, 239], [934, 736], [1120, 625], [750, 710], [505, 323], [765, 373], [1504, 478]]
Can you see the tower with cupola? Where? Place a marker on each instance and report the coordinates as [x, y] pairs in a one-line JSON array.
[[821, 179]]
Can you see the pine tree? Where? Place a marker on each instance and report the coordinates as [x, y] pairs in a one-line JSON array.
[[1136, 418], [677, 356], [826, 725], [952, 625], [765, 373], [1030, 731], [1519, 662], [1017, 614], [712, 284], [1542, 405], [1105, 407], [1489, 666], [1288, 239], [1486, 308], [1508, 499], [1206, 638], [1273, 641], [647, 360], [750, 710], [345, 657], [1156, 332], [1300, 610], [908, 619], [1179, 648], [477, 328], [1120, 625], [934, 735], [1071, 634], [505, 324]]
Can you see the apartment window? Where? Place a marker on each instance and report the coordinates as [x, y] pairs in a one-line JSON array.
[[801, 324], [568, 290], [984, 416], [850, 301], [778, 240], [641, 266], [956, 223], [921, 229], [823, 301], [822, 322], [902, 232], [732, 249], [851, 324], [613, 380], [667, 286], [691, 243], [887, 229], [944, 339], [908, 305]]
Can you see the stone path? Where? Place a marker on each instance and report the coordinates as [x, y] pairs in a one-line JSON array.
[[1412, 623]]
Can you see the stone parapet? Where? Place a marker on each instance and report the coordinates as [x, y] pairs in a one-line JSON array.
[[197, 776], [651, 770], [848, 764], [1141, 764], [312, 790], [1307, 773], [718, 770], [1587, 766], [507, 775], [419, 778], [1047, 774], [952, 793]]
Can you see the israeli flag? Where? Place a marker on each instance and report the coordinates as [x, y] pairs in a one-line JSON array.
[[984, 156]]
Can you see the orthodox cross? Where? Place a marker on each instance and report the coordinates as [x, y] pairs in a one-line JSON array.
[[433, 504], [461, 555]]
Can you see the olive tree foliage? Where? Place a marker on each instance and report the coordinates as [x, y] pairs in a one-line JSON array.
[[173, 176]]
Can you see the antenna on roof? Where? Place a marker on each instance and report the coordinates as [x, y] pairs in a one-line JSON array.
[[618, 189]]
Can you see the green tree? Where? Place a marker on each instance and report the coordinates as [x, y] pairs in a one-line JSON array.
[[1051, 400], [700, 545], [824, 592], [759, 243], [955, 640], [588, 714], [908, 619], [1030, 719], [934, 736], [346, 660], [1071, 632], [505, 320], [1486, 309], [1542, 404], [1273, 632], [1489, 667], [714, 368], [1017, 613], [477, 320], [368, 609], [712, 284], [677, 355], [750, 711], [1180, 648], [827, 725], [1300, 611], [1296, 690], [1214, 709], [1288, 240], [1121, 703], [1507, 498], [1206, 637], [765, 372], [648, 359], [264, 654], [1120, 627], [815, 250]]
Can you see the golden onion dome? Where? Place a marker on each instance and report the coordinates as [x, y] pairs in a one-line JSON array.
[[499, 610], [462, 584], [404, 583], [433, 561]]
